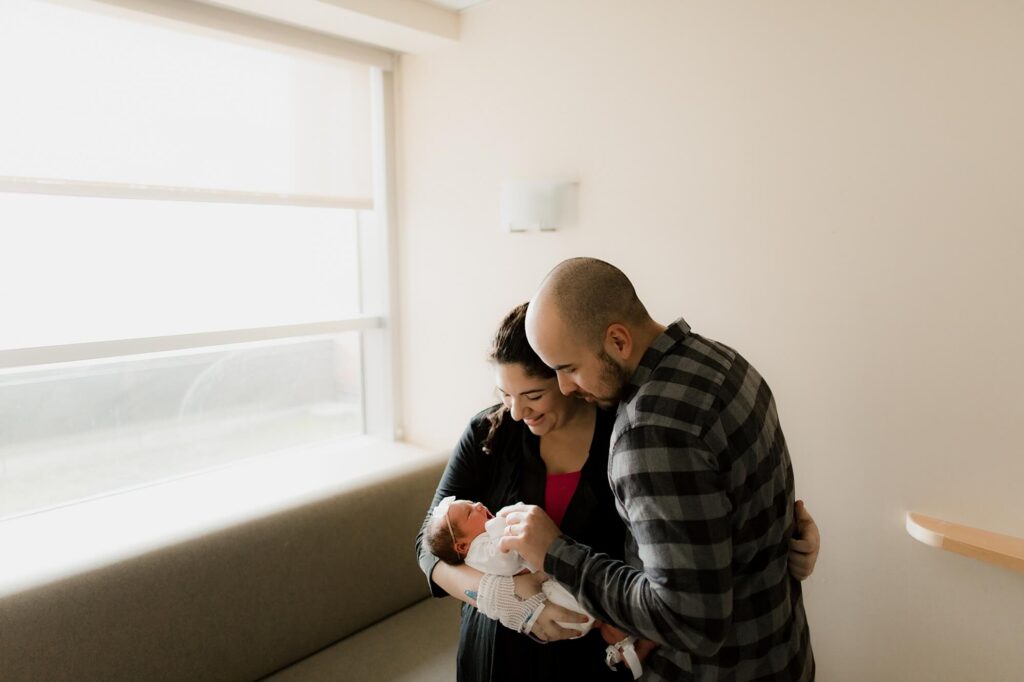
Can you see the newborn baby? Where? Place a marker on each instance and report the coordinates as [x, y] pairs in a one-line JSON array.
[[467, 532]]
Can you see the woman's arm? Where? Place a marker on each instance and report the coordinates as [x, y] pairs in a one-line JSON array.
[[461, 479], [461, 582]]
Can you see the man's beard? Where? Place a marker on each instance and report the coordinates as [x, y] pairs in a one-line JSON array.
[[613, 379]]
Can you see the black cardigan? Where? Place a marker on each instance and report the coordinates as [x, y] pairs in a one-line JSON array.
[[514, 472]]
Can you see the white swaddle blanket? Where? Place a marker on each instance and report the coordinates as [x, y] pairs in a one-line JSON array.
[[484, 555]]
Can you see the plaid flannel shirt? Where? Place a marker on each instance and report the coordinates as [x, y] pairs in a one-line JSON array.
[[702, 478]]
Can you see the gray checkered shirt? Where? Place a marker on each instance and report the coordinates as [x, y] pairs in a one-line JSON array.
[[702, 478]]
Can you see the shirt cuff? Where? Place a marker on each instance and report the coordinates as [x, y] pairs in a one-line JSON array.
[[435, 589], [564, 561]]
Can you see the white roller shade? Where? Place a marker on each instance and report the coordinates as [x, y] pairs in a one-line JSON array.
[[98, 97], [145, 269]]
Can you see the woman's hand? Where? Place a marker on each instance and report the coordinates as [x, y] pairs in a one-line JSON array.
[[803, 548]]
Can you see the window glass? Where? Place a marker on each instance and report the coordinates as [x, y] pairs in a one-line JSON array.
[[73, 432]]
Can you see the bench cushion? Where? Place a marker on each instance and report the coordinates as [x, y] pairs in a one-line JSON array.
[[236, 604], [416, 645]]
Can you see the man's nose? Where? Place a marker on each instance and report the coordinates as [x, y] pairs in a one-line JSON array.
[[566, 385]]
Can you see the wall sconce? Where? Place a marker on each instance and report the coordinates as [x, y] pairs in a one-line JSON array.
[[538, 205]]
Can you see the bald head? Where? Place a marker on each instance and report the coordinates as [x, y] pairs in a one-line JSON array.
[[587, 324], [586, 295]]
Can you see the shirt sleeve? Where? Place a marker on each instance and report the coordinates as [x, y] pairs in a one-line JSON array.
[[460, 478], [679, 517]]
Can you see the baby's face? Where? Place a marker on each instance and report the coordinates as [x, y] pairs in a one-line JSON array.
[[468, 519]]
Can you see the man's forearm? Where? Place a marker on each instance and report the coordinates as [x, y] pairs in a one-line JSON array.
[[628, 597]]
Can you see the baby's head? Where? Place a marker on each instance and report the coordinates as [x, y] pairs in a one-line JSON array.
[[453, 527]]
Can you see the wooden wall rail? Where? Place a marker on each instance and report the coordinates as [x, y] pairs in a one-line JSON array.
[[1002, 550]]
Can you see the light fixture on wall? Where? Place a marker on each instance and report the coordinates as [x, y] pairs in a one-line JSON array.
[[538, 205]]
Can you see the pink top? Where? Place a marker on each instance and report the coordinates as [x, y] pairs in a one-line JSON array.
[[558, 492]]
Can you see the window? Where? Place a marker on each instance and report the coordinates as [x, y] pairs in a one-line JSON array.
[[193, 248]]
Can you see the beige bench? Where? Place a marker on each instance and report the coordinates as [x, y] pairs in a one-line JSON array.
[[329, 590]]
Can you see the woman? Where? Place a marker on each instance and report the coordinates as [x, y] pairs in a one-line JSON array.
[[538, 447]]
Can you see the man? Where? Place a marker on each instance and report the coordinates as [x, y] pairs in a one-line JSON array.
[[701, 476]]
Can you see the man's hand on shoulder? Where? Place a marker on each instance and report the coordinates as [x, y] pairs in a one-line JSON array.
[[529, 531]]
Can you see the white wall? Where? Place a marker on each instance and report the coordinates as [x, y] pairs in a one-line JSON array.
[[835, 189]]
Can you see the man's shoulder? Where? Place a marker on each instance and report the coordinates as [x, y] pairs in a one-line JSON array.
[[696, 361], [681, 391]]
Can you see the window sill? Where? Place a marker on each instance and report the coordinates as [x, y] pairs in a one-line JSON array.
[[50, 545]]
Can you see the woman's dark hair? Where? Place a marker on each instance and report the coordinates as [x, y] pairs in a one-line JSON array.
[[510, 347]]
